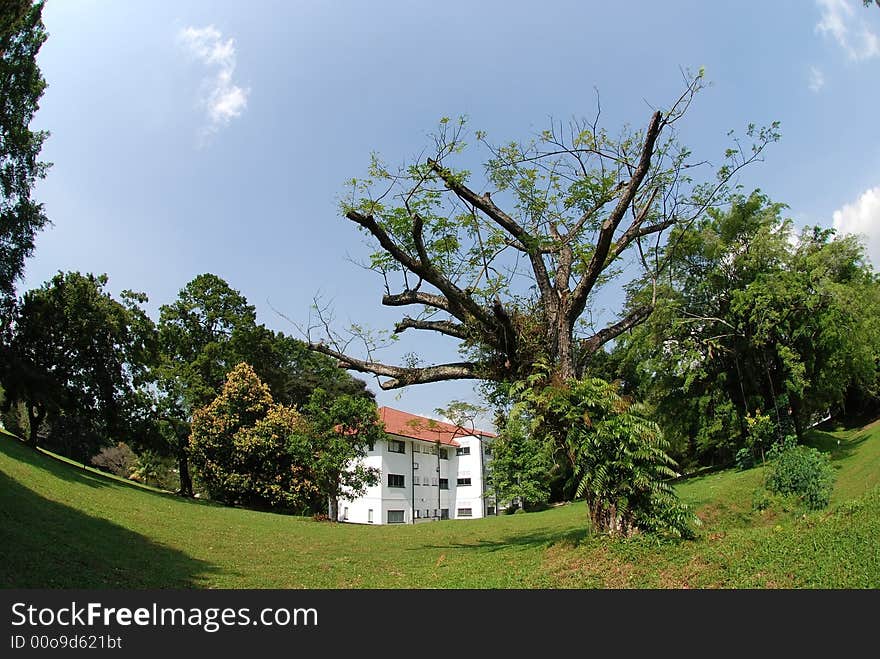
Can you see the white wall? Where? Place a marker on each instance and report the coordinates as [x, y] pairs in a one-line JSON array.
[[421, 497]]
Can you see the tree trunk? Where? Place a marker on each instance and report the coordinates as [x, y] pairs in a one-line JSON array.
[[186, 486], [35, 418], [796, 414]]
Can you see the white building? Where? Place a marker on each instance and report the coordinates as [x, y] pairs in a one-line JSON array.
[[429, 470]]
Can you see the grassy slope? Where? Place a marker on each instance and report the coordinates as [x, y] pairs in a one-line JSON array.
[[62, 526]]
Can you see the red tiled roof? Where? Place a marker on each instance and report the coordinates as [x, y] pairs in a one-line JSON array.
[[409, 425]]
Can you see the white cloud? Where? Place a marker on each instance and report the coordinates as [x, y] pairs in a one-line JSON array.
[[817, 80], [222, 98], [862, 217], [848, 28]]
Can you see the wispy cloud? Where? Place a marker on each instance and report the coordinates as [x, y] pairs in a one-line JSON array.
[[222, 99], [817, 80], [862, 217], [841, 21]]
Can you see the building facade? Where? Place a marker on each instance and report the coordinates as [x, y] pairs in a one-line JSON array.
[[429, 470]]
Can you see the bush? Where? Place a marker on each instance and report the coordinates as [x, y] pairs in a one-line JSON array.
[[119, 460], [745, 459], [619, 456], [239, 445], [802, 472], [155, 470]]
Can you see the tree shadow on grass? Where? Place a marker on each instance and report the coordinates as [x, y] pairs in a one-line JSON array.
[[538, 538], [44, 544]]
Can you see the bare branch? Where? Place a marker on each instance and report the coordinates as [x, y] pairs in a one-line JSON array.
[[603, 336], [416, 297], [400, 376], [487, 206], [458, 302], [606, 234], [443, 326]]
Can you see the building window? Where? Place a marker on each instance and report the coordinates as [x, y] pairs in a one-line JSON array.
[[433, 480], [444, 483], [396, 446], [396, 480], [416, 511], [444, 453], [465, 512], [415, 480], [487, 449], [490, 510], [463, 450], [416, 448], [462, 482], [444, 513], [370, 515], [345, 513], [395, 517]]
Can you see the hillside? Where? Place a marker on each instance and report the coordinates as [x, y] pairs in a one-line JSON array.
[[63, 526]]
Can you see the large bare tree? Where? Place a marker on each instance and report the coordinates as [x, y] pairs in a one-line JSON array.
[[509, 263]]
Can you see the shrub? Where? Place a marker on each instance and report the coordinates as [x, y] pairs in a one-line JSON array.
[[801, 471], [119, 460], [155, 470], [240, 446], [745, 459], [618, 452]]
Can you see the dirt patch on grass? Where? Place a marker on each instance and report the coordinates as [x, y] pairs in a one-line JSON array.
[[572, 567], [688, 575]]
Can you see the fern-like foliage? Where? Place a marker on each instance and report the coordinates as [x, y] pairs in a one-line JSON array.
[[618, 452]]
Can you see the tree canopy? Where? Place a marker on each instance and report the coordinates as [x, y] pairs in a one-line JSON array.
[[755, 320], [558, 212], [79, 360], [21, 85], [204, 334]]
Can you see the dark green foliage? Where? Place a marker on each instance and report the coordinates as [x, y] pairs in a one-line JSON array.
[[522, 465], [21, 85], [250, 450], [207, 331], [79, 361], [338, 431], [154, 469], [801, 471], [750, 324], [619, 455], [745, 459]]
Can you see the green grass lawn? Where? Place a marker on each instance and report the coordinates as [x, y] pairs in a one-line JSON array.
[[64, 526]]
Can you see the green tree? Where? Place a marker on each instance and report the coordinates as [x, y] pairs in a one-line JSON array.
[[509, 264], [338, 432], [241, 445], [522, 465], [81, 358], [577, 202], [203, 334], [752, 324], [21, 85]]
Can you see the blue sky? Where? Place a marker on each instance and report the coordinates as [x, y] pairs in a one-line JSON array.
[[208, 136]]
